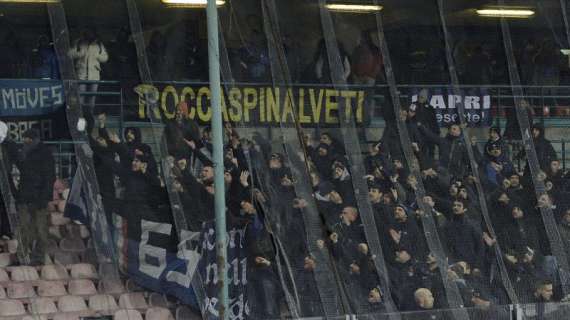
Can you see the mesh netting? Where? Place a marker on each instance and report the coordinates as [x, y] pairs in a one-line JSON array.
[[382, 160]]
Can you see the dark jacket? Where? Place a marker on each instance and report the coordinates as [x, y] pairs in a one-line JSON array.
[[544, 150], [464, 242], [37, 175]]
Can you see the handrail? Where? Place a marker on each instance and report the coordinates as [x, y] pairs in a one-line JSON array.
[[304, 84]]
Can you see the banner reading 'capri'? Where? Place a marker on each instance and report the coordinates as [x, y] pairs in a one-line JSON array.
[[476, 103], [258, 105]]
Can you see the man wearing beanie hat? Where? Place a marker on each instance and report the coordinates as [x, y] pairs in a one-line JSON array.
[[37, 175]]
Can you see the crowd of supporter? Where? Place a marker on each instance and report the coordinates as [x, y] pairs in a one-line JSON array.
[[262, 189], [262, 196]]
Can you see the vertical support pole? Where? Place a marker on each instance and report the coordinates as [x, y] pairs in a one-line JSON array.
[[563, 155], [217, 132]]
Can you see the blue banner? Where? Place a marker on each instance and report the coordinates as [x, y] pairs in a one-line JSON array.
[[237, 273], [23, 98], [153, 263], [476, 103], [33, 104]]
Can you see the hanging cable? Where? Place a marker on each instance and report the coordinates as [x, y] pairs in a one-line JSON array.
[[151, 102], [552, 232], [101, 234], [472, 162], [452, 291], [327, 285]]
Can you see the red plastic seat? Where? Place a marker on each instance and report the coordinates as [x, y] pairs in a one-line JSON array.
[[111, 286], [11, 308], [35, 317], [4, 275], [24, 273], [72, 245], [65, 258], [66, 316], [158, 313], [133, 300], [81, 287], [102, 303], [58, 219], [5, 259], [51, 289], [55, 231], [54, 272], [12, 246], [71, 304], [157, 300], [42, 306], [83, 271], [127, 315], [19, 290], [185, 313]]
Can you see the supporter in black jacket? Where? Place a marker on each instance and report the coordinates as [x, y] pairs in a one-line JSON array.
[[335, 147], [383, 216], [142, 189], [133, 147], [426, 113], [323, 161], [37, 175], [453, 154], [266, 291], [342, 181], [405, 243], [329, 203], [495, 139], [544, 150], [377, 158], [181, 132], [464, 242], [105, 177], [37, 171], [520, 233]]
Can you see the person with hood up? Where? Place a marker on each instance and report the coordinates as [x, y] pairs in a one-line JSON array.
[[342, 180], [545, 152], [520, 233], [323, 160], [131, 148], [495, 139], [37, 175]]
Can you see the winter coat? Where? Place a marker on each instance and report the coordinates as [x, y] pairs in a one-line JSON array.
[[88, 59], [463, 241], [37, 175], [519, 234]]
